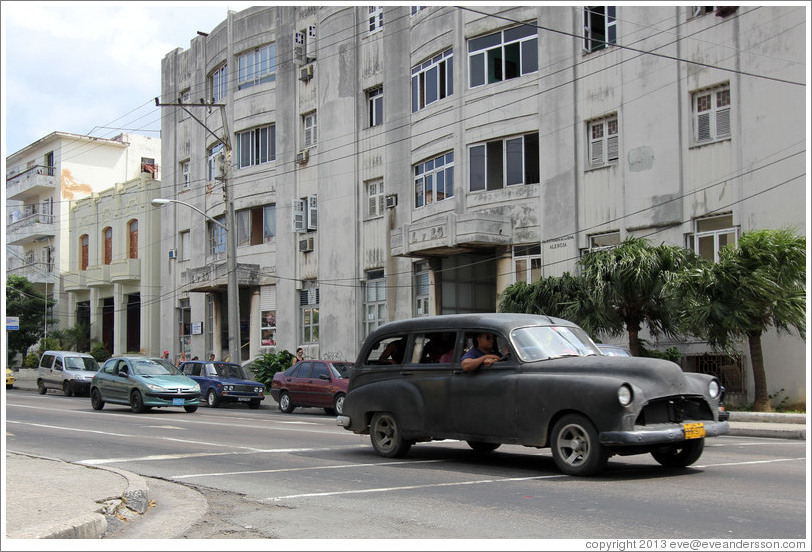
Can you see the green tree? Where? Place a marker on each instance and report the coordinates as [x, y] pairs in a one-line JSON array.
[[23, 301], [268, 364], [755, 286]]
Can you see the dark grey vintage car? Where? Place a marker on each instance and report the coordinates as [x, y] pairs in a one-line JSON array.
[[551, 387]]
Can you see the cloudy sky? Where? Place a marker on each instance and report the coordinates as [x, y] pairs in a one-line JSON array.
[[91, 67]]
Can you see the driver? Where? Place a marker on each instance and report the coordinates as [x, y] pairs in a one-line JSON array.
[[484, 352]]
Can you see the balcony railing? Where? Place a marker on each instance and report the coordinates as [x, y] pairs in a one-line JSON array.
[[32, 182], [126, 270], [97, 275], [31, 226]]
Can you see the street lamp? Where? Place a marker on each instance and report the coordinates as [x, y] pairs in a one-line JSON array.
[[233, 290]]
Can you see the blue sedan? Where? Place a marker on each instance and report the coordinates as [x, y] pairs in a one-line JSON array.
[[224, 382]]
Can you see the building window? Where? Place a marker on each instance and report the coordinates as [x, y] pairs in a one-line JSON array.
[[210, 323], [604, 240], [256, 225], [84, 241], [375, 198], [185, 246], [527, 261], [185, 327], [304, 45], [711, 234], [697, 11], [375, 106], [215, 167], [599, 27], [603, 141], [506, 162], [185, 98], [268, 328], [256, 146], [711, 108], [421, 288], [310, 129], [305, 214], [432, 80], [434, 180], [309, 304], [375, 19], [416, 9], [107, 244], [217, 237], [375, 301], [185, 172], [132, 238], [504, 55], [257, 66], [218, 83], [48, 258]]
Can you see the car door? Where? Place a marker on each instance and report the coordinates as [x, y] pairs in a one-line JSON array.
[[105, 377], [483, 402], [119, 385], [296, 382], [317, 386]]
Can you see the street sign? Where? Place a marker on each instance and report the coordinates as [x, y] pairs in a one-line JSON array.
[[12, 323]]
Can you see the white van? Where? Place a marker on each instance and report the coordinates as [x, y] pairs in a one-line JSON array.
[[66, 370]]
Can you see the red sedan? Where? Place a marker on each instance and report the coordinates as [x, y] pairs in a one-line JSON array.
[[318, 383]]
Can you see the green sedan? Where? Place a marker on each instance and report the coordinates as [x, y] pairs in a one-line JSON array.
[[142, 383]]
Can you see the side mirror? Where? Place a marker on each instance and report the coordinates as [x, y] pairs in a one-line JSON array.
[[323, 377]]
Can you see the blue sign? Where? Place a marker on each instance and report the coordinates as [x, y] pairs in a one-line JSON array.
[[12, 323]]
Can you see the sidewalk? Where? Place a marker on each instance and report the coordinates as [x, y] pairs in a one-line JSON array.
[[48, 498]]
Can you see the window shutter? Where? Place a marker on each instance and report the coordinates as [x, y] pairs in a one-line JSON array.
[[612, 148], [299, 56], [311, 43], [298, 215], [312, 213], [267, 298], [596, 157], [723, 122], [587, 34], [703, 127]]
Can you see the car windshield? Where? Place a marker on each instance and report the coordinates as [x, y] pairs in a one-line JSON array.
[[81, 363], [341, 369], [149, 367], [546, 342], [221, 370]]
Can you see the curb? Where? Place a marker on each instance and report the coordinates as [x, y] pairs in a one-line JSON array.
[[94, 525]]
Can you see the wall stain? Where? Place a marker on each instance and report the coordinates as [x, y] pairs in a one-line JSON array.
[[69, 186]]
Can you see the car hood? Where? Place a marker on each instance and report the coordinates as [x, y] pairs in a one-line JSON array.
[[168, 381], [237, 381], [648, 374]]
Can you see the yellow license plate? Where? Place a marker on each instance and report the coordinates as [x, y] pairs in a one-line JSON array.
[[694, 431]]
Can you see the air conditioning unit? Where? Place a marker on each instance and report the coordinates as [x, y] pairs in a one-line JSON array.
[[306, 73], [173, 253], [391, 201], [302, 157], [306, 245]]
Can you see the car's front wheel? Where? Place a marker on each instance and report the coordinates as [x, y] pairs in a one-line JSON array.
[[96, 400], [480, 446], [576, 449], [67, 389], [254, 403], [680, 456], [386, 437], [190, 408], [137, 402], [41, 387], [338, 404], [212, 399], [284, 403]]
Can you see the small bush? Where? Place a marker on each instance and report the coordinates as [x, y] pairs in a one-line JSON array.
[[672, 354], [269, 364], [31, 360], [99, 352]]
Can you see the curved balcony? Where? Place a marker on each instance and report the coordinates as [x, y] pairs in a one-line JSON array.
[[32, 182]]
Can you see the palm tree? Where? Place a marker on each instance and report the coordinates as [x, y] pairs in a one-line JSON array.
[[626, 284], [754, 286]]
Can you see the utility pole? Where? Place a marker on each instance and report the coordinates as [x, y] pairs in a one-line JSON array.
[[234, 338]]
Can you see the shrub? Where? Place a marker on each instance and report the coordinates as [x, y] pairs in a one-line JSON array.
[[268, 364], [31, 360], [672, 354], [99, 352]]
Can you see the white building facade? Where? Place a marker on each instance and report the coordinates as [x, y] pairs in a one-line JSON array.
[[395, 161], [41, 181]]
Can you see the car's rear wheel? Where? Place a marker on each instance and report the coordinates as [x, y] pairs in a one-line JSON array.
[[284, 403], [254, 403], [212, 400], [480, 446], [338, 404], [575, 445], [41, 387], [386, 437], [95, 400], [680, 456], [190, 408], [67, 389], [137, 402]]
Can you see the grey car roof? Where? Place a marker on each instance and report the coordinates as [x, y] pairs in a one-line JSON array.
[[502, 322]]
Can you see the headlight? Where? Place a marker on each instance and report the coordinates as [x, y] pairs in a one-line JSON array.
[[195, 388], [258, 390], [153, 387], [624, 395], [713, 389]]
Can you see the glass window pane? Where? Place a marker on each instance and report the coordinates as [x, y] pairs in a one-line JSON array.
[[495, 65], [477, 70], [477, 163], [530, 56], [431, 85], [512, 60], [515, 161], [495, 172]]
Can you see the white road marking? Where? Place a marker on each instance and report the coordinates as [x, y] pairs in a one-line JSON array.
[[278, 470], [180, 456], [750, 462], [413, 487], [67, 428]]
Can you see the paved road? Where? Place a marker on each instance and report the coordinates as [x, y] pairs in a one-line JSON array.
[[268, 474]]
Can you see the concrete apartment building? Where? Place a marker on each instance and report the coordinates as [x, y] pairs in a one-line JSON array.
[[396, 161], [42, 181]]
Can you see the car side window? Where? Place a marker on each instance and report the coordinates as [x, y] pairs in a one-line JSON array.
[[58, 364], [434, 348], [46, 361], [320, 370], [123, 368], [197, 369], [389, 350], [304, 370], [500, 347], [109, 367]]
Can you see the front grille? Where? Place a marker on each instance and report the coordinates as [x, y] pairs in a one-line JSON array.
[[176, 395], [674, 410]]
